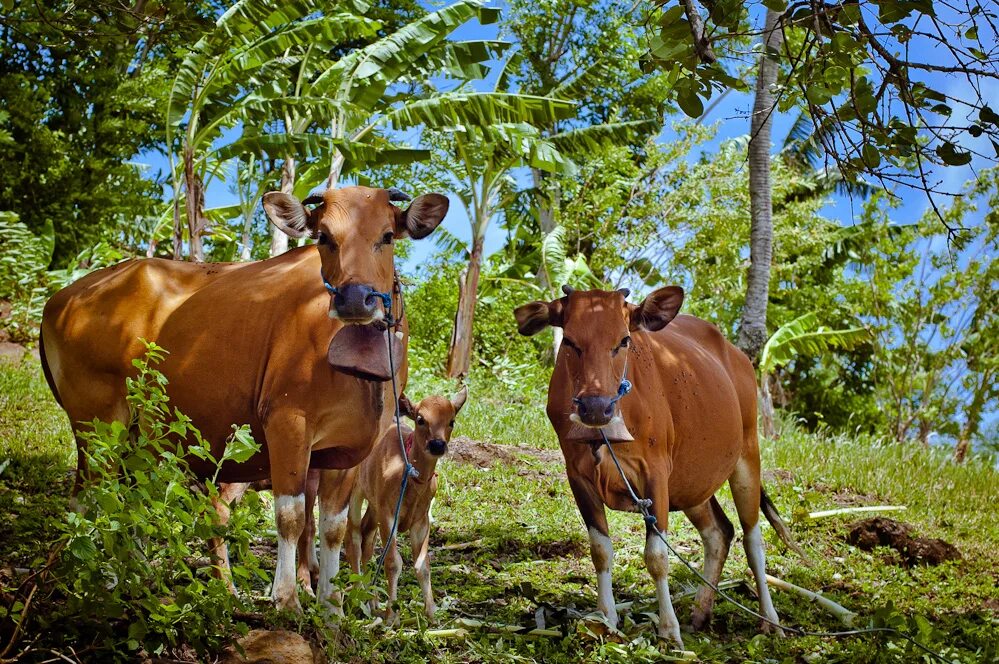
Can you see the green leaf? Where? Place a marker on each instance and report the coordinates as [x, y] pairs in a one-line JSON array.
[[690, 103], [951, 156], [775, 5], [803, 335]]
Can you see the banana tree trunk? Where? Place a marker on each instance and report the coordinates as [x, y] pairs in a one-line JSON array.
[[178, 232], [194, 206], [766, 409], [279, 241], [459, 356], [546, 221], [753, 327], [244, 253]]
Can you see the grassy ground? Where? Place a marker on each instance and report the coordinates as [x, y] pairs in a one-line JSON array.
[[509, 546]]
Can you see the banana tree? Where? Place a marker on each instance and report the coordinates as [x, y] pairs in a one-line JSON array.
[[222, 80], [801, 336]]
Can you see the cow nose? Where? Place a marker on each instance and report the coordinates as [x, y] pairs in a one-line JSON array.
[[595, 411], [437, 446], [356, 302]]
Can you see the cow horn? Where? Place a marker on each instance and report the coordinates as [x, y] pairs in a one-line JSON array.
[[315, 195], [568, 290], [397, 195], [624, 291]]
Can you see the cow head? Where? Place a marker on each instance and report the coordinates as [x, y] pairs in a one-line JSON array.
[[355, 229], [434, 420], [597, 327]]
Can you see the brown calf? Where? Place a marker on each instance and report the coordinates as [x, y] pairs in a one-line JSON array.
[[378, 479], [691, 413]]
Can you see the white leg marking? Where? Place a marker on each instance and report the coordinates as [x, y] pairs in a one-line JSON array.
[[753, 543], [332, 528], [289, 513], [657, 562], [602, 552]]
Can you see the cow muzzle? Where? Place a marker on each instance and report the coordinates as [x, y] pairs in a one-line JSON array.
[[437, 447], [357, 304], [595, 411]]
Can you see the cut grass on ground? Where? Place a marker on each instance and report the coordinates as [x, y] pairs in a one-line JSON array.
[[509, 546]]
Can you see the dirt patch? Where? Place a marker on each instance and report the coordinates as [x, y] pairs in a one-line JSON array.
[[777, 475], [881, 531], [484, 455], [560, 549]]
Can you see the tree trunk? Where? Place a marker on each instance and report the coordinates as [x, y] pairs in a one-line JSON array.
[[178, 232], [194, 206], [546, 222], [766, 409], [972, 419], [244, 254], [753, 327], [459, 356], [279, 241]]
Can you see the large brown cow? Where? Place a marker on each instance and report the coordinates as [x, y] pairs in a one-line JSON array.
[[691, 413], [250, 346]]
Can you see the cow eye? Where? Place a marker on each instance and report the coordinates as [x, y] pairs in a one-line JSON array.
[[388, 237], [420, 421], [626, 342], [568, 342], [323, 239], [451, 424]]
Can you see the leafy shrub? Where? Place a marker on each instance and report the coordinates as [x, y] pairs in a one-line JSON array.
[[24, 276], [128, 565]]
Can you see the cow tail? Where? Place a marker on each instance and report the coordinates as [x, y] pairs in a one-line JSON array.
[[783, 532], [46, 370]]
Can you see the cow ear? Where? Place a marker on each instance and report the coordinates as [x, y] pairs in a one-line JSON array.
[[458, 400], [422, 216], [536, 316], [406, 408], [287, 213], [657, 310]]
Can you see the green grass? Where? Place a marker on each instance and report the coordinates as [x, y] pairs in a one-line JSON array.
[[508, 540]]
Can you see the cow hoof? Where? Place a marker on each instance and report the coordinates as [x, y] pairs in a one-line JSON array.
[[288, 604], [673, 635], [770, 628], [700, 621]]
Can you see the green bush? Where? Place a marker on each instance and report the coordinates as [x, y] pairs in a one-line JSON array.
[[128, 568]]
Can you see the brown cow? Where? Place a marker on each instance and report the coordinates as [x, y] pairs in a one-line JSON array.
[[377, 480], [251, 345], [692, 415]]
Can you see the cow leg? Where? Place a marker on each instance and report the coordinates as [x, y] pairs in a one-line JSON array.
[[334, 492], [591, 508], [657, 562], [369, 528], [716, 534], [745, 485], [419, 540], [393, 566], [308, 564], [229, 495], [289, 460], [354, 534]]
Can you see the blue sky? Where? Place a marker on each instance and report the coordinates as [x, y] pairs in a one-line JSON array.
[[732, 118]]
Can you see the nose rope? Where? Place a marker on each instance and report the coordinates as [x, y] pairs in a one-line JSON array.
[[622, 388], [386, 298]]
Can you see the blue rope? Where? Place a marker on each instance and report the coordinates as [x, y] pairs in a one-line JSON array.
[[644, 504], [409, 469]]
